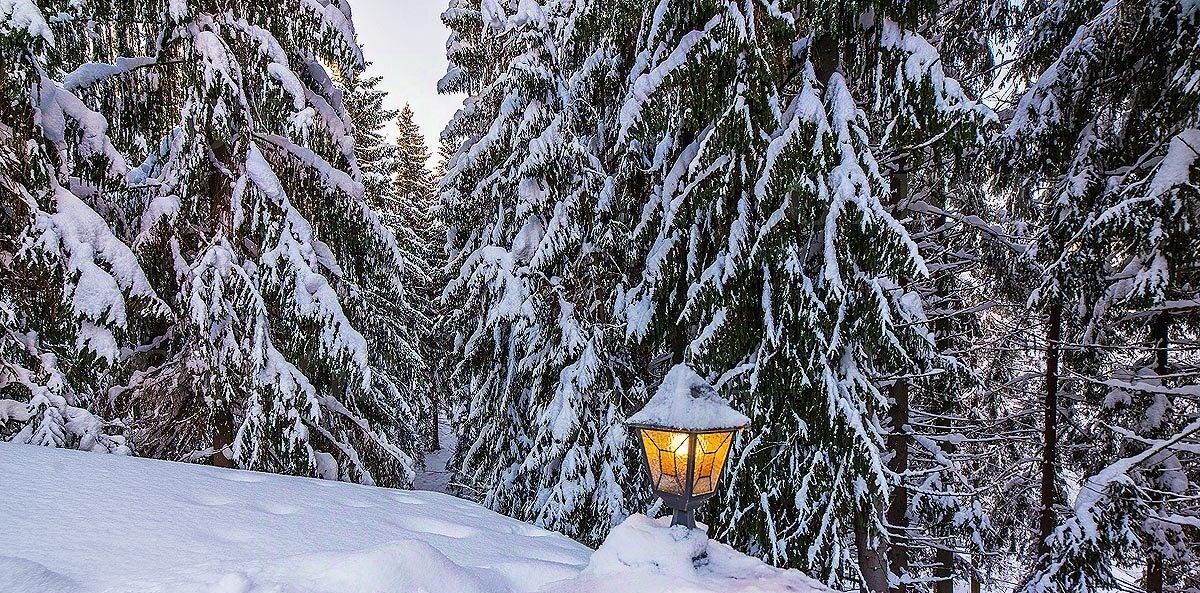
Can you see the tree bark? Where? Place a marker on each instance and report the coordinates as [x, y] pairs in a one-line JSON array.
[[222, 435], [897, 513], [944, 553], [899, 439], [943, 570], [824, 57], [435, 443], [220, 193], [1160, 333], [1048, 519], [872, 553]]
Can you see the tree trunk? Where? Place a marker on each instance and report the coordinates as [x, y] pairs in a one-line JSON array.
[[824, 57], [219, 191], [435, 443], [1048, 520], [872, 553], [899, 439], [1160, 333], [897, 513], [944, 553], [943, 570], [222, 435]]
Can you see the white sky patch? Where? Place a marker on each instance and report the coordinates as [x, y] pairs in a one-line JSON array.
[[406, 40]]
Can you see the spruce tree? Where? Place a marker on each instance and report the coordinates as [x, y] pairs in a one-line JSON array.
[[397, 186], [932, 131], [243, 202], [1105, 137], [747, 275], [73, 298], [540, 377]]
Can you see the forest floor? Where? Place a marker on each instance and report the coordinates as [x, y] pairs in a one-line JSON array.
[[436, 476], [74, 522]]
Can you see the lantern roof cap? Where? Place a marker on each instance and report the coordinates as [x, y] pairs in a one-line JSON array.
[[685, 401]]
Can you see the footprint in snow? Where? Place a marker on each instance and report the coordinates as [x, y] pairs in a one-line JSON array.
[[210, 500], [437, 527], [276, 508]]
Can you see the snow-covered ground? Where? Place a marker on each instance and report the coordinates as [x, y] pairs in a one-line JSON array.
[[73, 522], [436, 476]]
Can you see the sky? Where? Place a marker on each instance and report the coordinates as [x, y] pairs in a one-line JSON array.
[[407, 43]]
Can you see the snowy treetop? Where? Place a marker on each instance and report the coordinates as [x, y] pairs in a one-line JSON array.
[[686, 401]]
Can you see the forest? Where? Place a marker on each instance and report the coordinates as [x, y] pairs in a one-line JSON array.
[[942, 254]]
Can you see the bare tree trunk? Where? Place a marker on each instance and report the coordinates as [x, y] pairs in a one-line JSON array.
[[434, 438], [897, 513], [222, 435], [872, 553], [1048, 519], [899, 439], [944, 553], [1160, 332]]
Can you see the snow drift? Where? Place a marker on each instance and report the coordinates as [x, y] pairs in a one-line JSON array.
[[73, 522]]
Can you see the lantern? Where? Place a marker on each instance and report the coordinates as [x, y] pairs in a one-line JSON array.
[[686, 431]]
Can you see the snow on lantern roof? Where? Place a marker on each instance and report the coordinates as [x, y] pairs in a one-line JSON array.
[[685, 401]]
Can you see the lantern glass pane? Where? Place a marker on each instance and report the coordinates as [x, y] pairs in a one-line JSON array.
[[712, 449], [667, 456]]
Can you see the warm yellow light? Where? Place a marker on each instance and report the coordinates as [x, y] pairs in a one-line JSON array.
[[712, 449], [667, 456], [679, 444]]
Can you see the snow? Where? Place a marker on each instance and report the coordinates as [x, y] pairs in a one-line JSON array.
[[1175, 168], [437, 474], [57, 105], [18, 15], [116, 524], [178, 10], [646, 84], [307, 256], [88, 74], [180, 528], [97, 293], [686, 401], [644, 555]]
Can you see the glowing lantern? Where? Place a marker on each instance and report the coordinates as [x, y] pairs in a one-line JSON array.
[[686, 431]]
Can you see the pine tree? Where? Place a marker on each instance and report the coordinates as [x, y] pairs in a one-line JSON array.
[[746, 272], [72, 295], [1111, 114], [398, 186], [932, 132], [416, 213], [246, 209], [378, 158], [542, 437]]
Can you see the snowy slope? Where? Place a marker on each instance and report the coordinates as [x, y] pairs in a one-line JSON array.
[[74, 522]]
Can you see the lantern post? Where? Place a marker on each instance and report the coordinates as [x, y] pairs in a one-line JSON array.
[[686, 432]]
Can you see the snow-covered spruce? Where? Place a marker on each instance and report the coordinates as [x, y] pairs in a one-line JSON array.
[[539, 366], [755, 239], [1105, 142], [71, 292], [203, 217]]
